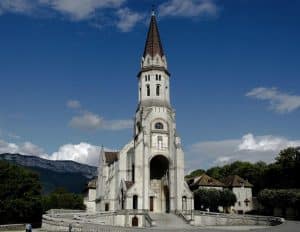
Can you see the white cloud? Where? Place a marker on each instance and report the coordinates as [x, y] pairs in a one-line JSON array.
[[118, 124], [248, 148], [73, 104], [91, 121], [81, 9], [82, 153], [279, 101], [26, 148], [86, 120], [188, 8], [127, 19], [17, 6], [6, 147], [265, 143], [76, 10]]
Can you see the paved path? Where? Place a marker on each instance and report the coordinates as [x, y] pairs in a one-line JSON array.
[[289, 226]]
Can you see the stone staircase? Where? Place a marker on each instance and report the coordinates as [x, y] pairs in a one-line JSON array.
[[168, 221]]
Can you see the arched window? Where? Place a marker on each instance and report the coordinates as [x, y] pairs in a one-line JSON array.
[[159, 77], [184, 203], [157, 90], [156, 77], [159, 126], [122, 199], [135, 202], [148, 90]]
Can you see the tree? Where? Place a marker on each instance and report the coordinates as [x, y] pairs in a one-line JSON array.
[[61, 199], [213, 198], [252, 172], [279, 198], [227, 199], [20, 194]]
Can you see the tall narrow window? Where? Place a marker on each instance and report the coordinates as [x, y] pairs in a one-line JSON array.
[[148, 90], [159, 77], [135, 202], [133, 173], [184, 203], [159, 142], [157, 90], [106, 206]]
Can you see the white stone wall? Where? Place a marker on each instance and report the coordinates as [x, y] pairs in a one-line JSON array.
[[242, 193]]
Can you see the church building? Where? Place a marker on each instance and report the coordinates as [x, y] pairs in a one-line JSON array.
[[148, 173]]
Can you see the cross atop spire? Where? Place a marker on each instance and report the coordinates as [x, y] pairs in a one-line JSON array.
[[153, 44], [153, 10]]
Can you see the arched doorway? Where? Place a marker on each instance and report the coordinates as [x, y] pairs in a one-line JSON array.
[[159, 183], [135, 221]]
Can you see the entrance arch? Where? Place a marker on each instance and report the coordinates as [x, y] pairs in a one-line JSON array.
[[159, 167], [159, 183]]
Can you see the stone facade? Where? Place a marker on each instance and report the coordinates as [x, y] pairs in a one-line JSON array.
[[148, 173]]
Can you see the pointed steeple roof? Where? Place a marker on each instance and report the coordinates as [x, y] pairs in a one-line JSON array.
[[153, 44]]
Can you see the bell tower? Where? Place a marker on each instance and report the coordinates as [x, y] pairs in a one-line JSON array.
[[159, 159]]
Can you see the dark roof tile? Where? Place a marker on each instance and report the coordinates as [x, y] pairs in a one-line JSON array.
[[236, 181], [111, 157], [153, 44]]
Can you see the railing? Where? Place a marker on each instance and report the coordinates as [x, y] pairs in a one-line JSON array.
[[269, 219], [148, 219], [182, 216]]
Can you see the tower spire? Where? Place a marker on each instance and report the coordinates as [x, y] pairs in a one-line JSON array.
[[153, 44]]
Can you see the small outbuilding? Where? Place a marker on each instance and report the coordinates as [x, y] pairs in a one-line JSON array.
[[243, 192]]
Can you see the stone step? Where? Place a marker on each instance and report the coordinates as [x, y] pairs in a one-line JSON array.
[[168, 221]]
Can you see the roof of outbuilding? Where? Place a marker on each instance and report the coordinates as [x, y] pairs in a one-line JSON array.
[[153, 44], [92, 184], [111, 157], [205, 180], [236, 181]]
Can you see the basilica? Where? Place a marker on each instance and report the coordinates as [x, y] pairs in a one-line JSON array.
[[148, 173], [143, 184]]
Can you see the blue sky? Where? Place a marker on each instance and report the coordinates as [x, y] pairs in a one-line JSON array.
[[68, 76]]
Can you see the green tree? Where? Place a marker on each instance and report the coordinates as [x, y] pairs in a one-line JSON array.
[[207, 198], [61, 199], [279, 198], [227, 199], [20, 195]]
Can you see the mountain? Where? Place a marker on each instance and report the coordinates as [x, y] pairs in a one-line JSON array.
[[70, 175]]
